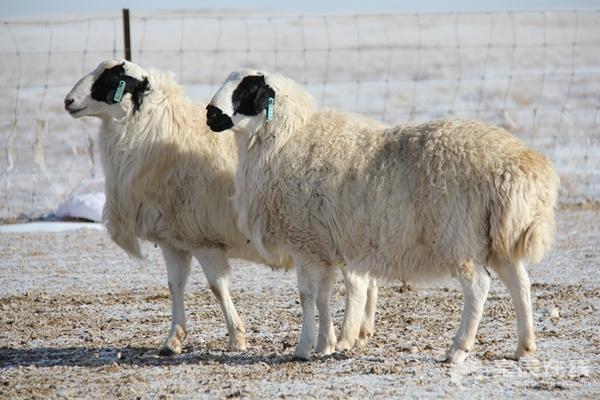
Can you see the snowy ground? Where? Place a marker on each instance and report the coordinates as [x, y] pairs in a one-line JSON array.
[[80, 319]]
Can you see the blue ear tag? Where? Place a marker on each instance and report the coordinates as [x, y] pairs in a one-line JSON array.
[[119, 92], [270, 108]]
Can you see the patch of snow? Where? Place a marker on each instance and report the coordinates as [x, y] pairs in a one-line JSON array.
[[49, 227], [85, 201]]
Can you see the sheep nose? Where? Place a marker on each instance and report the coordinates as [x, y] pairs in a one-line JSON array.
[[212, 112], [68, 102], [216, 120]]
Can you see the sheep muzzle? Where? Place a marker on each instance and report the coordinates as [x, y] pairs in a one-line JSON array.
[[216, 120]]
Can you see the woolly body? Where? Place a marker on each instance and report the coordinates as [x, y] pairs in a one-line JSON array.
[[410, 202], [443, 198]]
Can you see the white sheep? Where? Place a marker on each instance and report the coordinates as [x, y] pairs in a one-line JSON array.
[[444, 198], [168, 180]]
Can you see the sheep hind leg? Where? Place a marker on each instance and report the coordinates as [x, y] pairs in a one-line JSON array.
[[326, 341], [475, 284], [178, 270], [216, 267], [367, 326], [515, 278], [357, 285]]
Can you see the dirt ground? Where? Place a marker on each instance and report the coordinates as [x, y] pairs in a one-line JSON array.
[[80, 319]]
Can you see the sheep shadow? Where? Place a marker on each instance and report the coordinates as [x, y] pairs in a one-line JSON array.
[[140, 356]]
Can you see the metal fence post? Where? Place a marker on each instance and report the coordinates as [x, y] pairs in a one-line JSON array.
[[126, 34]]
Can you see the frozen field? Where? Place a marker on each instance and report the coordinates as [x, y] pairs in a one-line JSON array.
[[81, 320]]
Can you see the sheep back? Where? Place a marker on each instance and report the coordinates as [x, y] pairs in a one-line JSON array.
[[411, 202]]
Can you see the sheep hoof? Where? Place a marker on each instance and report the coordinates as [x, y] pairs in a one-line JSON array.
[[456, 356], [237, 344], [361, 342], [303, 352], [325, 346], [344, 344], [171, 347], [363, 336], [523, 353]]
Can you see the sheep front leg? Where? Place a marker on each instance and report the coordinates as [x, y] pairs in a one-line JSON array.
[[308, 275], [476, 284], [178, 270], [367, 326], [216, 267], [356, 299], [515, 278], [327, 339]]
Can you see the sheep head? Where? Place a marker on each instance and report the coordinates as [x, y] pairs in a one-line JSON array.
[[112, 90], [242, 103]]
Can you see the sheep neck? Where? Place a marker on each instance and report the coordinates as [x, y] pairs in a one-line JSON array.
[[257, 163]]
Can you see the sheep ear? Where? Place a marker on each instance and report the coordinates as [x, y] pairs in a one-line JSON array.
[[261, 102], [142, 88]]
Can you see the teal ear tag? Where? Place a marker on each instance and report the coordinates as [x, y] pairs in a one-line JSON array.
[[119, 92], [270, 108]]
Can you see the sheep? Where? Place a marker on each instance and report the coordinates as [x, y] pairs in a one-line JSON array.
[[446, 198], [165, 183]]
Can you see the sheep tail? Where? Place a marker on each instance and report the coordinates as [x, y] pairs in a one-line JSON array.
[[522, 223]]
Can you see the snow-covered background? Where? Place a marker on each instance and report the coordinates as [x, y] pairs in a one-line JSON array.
[[536, 73]]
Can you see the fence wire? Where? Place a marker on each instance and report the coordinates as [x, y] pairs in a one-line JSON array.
[[535, 73]]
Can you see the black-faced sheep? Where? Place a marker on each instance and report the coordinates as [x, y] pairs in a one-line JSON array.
[[169, 180], [444, 198]]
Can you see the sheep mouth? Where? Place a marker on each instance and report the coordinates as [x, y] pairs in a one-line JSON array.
[[220, 124], [73, 112]]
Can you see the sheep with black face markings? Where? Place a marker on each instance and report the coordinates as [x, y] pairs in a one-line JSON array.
[[444, 198], [169, 180]]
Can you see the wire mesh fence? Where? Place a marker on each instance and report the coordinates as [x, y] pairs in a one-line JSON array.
[[535, 73]]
